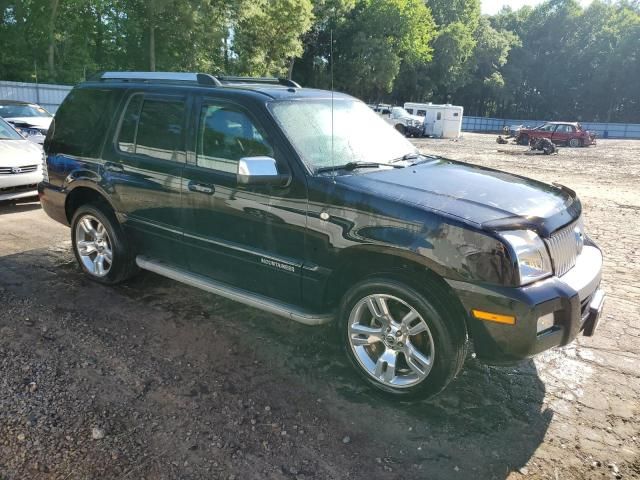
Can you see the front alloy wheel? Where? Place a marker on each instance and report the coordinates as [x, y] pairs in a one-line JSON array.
[[401, 340], [391, 340]]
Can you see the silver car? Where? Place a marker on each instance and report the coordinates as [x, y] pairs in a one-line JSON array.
[[20, 164], [30, 119]]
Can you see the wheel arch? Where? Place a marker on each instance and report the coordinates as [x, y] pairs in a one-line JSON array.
[[82, 193], [359, 264]]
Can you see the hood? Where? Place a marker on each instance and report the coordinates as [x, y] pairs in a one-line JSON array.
[[37, 122], [19, 153], [490, 198]]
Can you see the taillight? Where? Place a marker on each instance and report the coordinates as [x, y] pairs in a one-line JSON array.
[[45, 173]]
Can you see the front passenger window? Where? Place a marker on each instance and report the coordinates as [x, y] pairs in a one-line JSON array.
[[225, 136]]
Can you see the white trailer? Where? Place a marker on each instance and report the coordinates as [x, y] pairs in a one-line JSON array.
[[443, 121]]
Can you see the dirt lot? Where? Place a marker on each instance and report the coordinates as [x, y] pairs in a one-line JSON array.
[[156, 380]]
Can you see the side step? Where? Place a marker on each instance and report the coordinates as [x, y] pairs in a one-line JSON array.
[[255, 300]]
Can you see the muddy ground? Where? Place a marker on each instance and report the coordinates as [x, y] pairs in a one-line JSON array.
[[156, 380]]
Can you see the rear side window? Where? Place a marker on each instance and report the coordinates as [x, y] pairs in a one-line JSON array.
[[153, 127], [81, 121]]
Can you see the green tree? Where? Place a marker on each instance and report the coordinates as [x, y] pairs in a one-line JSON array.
[[268, 36]]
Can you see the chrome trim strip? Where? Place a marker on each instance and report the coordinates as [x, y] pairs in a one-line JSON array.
[[239, 248], [255, 300]]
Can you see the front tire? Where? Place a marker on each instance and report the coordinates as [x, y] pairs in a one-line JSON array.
[[398, 340], [100, 245], [401, 128]]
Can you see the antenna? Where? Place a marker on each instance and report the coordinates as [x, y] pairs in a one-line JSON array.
[[333, 164]]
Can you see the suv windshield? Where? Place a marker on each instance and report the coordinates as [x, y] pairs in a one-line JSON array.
[[359, 135], [400, 112], [12, 111], [7, 132]]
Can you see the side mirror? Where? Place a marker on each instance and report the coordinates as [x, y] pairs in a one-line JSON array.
[[261, 171]]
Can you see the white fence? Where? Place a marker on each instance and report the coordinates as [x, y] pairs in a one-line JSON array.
[[604, 130], [47, 95]]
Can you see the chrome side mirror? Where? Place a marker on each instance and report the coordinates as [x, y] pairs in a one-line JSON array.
[[260, 171]]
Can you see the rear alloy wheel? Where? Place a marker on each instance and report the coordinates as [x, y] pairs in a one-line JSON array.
[[575, 142], [100, 245], [398, 341], [93, 246]]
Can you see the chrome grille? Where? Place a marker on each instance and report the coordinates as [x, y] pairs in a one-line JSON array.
[[564, 247], [18, 170]]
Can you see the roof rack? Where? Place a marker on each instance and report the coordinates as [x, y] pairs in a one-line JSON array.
[[199, 78], [261, 80]]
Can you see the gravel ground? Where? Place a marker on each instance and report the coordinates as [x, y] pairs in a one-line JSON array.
[[156, 380]]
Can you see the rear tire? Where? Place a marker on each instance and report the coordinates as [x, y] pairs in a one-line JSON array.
[[575, 142], [100, 245], [398, 340]]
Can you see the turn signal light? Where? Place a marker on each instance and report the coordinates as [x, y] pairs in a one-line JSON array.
[[494, 317]]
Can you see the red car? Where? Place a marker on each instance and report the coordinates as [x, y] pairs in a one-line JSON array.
[[565, 133]]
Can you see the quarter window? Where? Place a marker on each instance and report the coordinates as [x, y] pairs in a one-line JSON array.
[[226, 135], [154, 128]]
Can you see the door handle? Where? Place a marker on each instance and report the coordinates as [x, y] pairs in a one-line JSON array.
[[113, 167], [202, 188]]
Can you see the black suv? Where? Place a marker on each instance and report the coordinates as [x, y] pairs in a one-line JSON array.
[[306, 204]]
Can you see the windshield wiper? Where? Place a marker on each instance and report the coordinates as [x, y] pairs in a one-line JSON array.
[[354, 165], [407, 156]]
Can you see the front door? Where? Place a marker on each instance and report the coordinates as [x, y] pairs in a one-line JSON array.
[[144, 165], [251, 237]]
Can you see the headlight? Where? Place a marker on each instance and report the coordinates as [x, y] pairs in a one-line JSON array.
[[531, 254]]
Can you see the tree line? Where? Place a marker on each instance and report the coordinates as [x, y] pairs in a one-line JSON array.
[[556, 60]]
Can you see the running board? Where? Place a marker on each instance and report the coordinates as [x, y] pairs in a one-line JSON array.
[[255, 300]]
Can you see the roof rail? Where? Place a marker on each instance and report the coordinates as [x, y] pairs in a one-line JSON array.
[[266, 80], [199, 78]]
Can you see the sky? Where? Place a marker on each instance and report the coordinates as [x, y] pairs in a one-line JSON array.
[[493, 6]]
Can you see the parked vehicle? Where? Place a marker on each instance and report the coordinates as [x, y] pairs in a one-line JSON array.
[[441, 121], [404, 122], [21, 164], [560, 133], [30, 119], [307, 205]]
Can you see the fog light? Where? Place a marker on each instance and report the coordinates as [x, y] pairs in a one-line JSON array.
[[545, 322]]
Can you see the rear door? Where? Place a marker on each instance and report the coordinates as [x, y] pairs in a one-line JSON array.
[[145, 165], [251, 237], [562, 133]]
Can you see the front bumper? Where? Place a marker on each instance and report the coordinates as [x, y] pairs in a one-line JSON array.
[[575, 300], [21, 185]]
